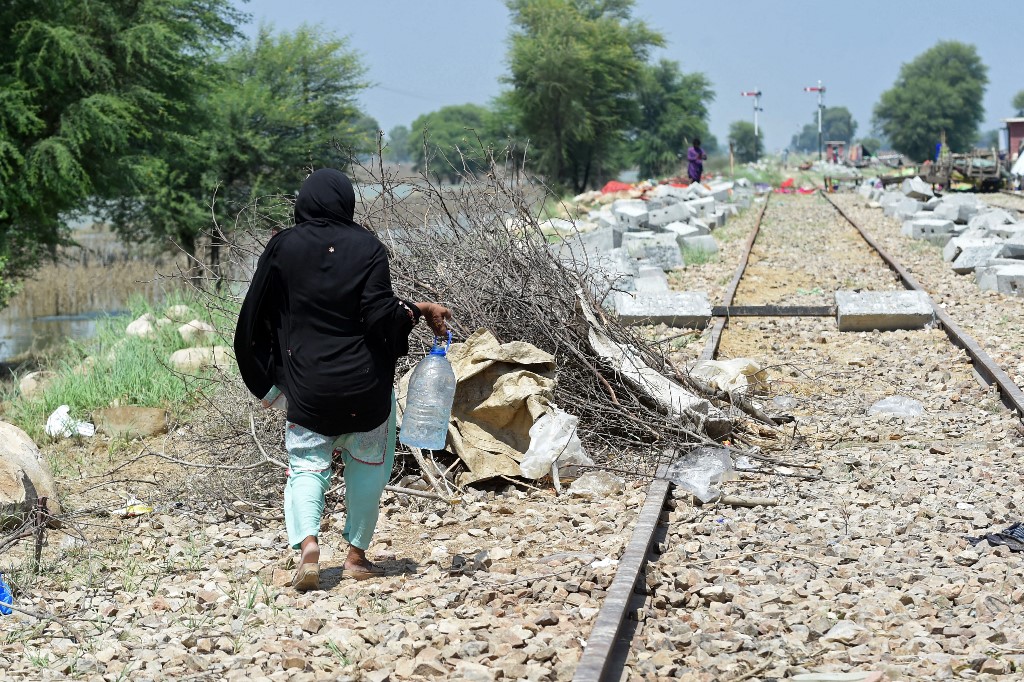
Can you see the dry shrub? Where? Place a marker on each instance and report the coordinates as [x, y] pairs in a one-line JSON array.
[[478, 248]]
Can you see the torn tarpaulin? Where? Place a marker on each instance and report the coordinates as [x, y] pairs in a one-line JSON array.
[[1012, 537]]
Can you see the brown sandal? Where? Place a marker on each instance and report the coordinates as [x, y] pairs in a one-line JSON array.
[[307, 577], [360, 573]]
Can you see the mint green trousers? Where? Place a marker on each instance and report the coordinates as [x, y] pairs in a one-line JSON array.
[[368, 458]]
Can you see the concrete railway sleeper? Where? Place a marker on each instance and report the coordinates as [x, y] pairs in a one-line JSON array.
[[866, 569]]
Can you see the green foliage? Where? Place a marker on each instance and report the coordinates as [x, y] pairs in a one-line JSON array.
[[939, 91], [398, 141], [745, 144], [574, 65], [673, 110], [1018, 103], [453, 140], [86, 90], [989, 139], [128, 369], [872, 145], [279, 105], [836, 124]]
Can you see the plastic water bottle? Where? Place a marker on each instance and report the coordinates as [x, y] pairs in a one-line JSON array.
[[428, 406]]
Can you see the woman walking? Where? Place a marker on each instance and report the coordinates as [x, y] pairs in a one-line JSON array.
[[321, 328]]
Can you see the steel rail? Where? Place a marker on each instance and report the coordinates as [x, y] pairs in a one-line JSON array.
[[984, 365], [608, 645], [711, 347], [607, 648]]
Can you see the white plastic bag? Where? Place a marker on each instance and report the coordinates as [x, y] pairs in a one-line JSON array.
[[597, 484], [700, 470], [553, 439], [898, 405], [732, 375], [60, 423]]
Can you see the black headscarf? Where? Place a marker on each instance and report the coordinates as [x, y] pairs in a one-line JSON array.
[[327, 196]]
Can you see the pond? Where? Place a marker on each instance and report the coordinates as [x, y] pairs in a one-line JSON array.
[[22, 336]]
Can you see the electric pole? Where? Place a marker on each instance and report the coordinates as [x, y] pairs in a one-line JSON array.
[[821, 106]]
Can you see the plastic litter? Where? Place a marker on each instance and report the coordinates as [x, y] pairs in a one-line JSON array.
[[553, 440], [605, 563], [898, 405], [597, 484], [134, 507], [732, 375], [700, 470], [60, 423], [785, 402], [5, 597]]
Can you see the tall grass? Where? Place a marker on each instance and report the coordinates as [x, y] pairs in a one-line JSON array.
[[114, 369]]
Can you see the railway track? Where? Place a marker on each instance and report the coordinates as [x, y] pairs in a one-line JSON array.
[[689, 595]]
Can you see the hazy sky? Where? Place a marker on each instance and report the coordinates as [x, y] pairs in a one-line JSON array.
[[425, 54]]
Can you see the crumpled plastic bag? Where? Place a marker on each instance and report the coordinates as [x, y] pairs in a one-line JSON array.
[[732, 375], [553, 439], [700, 471], [597, 485], [60, 423], [898, 405]]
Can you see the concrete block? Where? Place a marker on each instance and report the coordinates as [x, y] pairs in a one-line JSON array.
[[702, 208], [1013, 231], [916, 188], [972, 257], [719, 218], [1004, 278], [947, 211], [603, 218], [705, 243], [883, 310], [698, 191], [678, 193], [660, 248], [932, 204], [700, 225], [650, 280], [992, 218], [907, 208], [932, 230], [671, 213], [1014, 247], [681, 230], [720, 191], [956, 245], [631, 216], [674, 308]]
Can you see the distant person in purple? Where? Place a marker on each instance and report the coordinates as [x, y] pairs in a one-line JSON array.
[[696, 157]]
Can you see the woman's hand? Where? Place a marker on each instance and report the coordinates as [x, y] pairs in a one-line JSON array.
[[436, 316]]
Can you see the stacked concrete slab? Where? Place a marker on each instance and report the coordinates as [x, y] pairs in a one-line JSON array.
[[635, 239], [976, 239]]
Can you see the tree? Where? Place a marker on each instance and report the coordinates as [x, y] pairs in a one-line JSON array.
[[989, 139], [87, 90], [745, 144], [836, 124], [452, 140], [1018, 103], [284, 102], [673, 110], [573, 68], [941, 90], [399, 140]]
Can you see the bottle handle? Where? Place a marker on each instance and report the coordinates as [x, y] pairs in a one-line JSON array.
[[437, 343]]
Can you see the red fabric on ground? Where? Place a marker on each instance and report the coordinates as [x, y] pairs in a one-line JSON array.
[[615, 186], [787, 183]]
